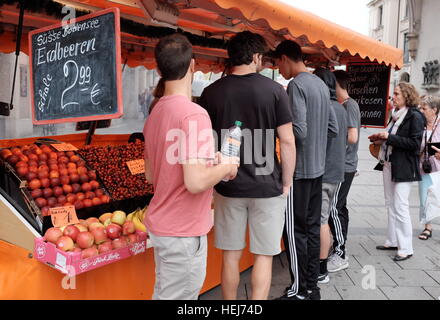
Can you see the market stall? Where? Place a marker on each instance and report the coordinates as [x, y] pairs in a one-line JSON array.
[[104, 168]]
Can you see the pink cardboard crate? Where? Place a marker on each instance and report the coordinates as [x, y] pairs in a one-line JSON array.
[[70, 263]]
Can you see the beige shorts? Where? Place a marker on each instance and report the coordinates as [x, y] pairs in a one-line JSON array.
[[265, 217], [328, 201], [180, 266]]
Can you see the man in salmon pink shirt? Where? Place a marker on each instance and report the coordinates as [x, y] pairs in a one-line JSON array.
[[179, 162]]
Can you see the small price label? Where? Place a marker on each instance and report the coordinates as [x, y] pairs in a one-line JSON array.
[[63, 216], [64, 147], [136, 166]]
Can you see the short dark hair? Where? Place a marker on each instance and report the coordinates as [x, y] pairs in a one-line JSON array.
[[243, 46], [173, 55], [290, 49], [342, 78]]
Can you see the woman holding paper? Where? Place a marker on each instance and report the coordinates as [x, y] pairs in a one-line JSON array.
[[399, 161], [429, 200]]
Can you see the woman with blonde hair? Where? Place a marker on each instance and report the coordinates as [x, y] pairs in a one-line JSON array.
[[430, 107], [399, 161]]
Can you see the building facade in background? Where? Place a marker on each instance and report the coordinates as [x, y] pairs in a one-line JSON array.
[[413, 26]]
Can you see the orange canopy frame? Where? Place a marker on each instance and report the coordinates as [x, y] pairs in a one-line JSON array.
[[218, 19]]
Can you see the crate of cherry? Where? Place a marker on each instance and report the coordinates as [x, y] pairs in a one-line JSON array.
[[92, 243]]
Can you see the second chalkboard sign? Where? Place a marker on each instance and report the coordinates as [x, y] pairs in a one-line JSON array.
[[76, 70], [369, 85]]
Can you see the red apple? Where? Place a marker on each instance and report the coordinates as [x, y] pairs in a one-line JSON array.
[[62, 200], [76, 249], [83, 178], [5, 153], [63, 159], [90, 195], [85, 240], [76, 188], [95, 225], [89, 252], [71, 231], [52, 202], [96, 201], [70, 153], [99, 193], [64, 180], [81, 227], [83, 170], [65, 243], [12, 160], [74, 177], [37, 193], [80, 196], [91, 220], [47, 192], [105, 247], [43, 174], [22, 172], [63, 171], [119, 243], [42, 157], [67, 189], [92, 175], [113, 231], [71, 198], [55, 182], [45, 211], [87, 203], [94, 184], [21, 164], [45, 183], [131, 238], [53, 234], [78, 204], [31, 175], [41, 202], [74, 158], [57, 191], [72, 171], [35, 184], [128, 228], [54, 174], [99, 234]]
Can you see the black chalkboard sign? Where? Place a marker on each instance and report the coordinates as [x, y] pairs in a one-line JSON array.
[[76, 70], [369, 86]]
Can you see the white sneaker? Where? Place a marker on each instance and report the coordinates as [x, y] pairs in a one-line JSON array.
[[336, 263], [323, 278]]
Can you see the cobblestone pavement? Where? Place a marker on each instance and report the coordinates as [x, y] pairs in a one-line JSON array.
[[372, 274]]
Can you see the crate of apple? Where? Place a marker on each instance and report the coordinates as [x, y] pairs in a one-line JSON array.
[[89, 244], [55, 178]]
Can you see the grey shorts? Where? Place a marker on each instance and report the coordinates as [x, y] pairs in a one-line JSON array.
[[180, 267], [265, 217], [328, 201]]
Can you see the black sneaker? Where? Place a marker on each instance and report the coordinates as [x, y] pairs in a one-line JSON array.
[[314, 294], [323, 278]]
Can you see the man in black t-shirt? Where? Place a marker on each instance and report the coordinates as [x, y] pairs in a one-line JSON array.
[[257, 196]]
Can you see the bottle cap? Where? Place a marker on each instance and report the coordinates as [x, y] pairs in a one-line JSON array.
[[238, 123]]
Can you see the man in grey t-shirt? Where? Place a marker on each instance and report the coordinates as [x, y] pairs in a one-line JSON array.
[[339, 221], [313, 121], [334, 171]]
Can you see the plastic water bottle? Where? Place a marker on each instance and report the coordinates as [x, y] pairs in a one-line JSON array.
[[232, 142]]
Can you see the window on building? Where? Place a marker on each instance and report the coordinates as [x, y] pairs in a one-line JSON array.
[[406, 13], [405, 48], [380, 17]]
